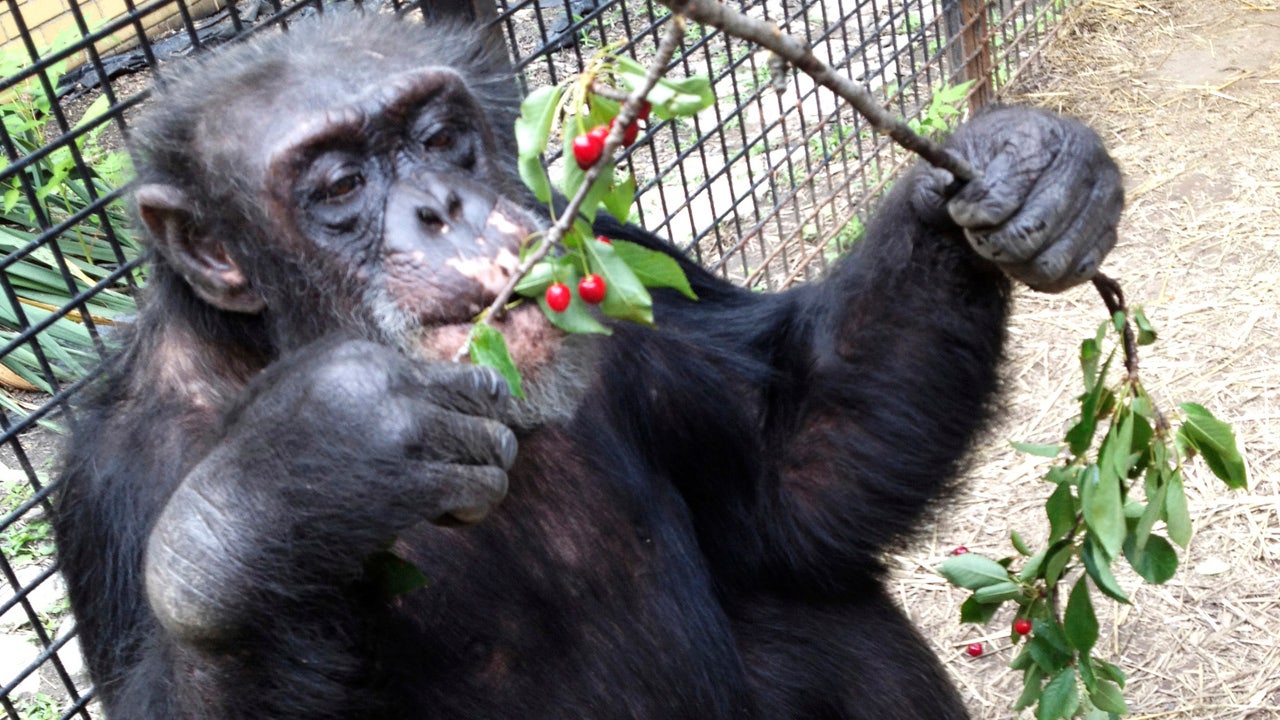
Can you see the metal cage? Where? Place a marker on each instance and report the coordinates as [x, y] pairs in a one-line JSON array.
[[765, 188]]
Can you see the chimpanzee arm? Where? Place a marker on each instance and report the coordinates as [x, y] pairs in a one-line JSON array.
[[243, 574], [856, 398]]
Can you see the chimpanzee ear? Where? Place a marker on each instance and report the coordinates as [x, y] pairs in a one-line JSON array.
[[203, 261]]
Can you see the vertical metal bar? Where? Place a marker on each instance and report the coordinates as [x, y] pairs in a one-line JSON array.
[[977, 51]]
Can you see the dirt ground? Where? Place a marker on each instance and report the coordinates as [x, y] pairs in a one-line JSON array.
[[1187, 95]]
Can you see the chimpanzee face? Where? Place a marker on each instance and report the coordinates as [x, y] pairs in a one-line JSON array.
[[382, 201]]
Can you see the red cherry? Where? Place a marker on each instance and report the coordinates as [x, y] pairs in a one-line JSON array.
[[588, 147], [604, 240], [962, 550], [1022, 626], [629, 135], [558, 296], [974, 650], [591, 289], [646, 107]]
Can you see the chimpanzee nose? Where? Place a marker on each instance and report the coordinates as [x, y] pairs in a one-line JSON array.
[[438, 209]]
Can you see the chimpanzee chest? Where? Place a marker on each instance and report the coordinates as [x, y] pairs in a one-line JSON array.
[[583, 595]]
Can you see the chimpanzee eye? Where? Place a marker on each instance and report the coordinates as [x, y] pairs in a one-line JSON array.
[[340, 187], [443, 140]]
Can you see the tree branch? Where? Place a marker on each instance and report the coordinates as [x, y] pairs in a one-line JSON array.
[[626, 115]]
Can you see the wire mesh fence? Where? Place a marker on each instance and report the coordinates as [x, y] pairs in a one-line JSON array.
[[766, 187]]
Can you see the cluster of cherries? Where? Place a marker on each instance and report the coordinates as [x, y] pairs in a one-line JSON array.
[[590, 288], [1021, 626], [589, 146]]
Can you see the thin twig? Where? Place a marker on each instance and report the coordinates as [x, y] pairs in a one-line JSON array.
[[626, 115], [798, 55]]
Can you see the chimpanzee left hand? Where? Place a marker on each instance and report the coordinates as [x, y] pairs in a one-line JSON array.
[[1047, 204]]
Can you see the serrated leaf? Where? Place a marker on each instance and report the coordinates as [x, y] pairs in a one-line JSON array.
[[1177, 516], [1109, 698], [1216, 443], [1046, 656], [1031, 570], [1103, 509], [1156, 563], [1059, 699], [1146, 332], [576, 319], [1099, 568], [997, 593], [669, 98], [1031, 680], [972, 611], [488, 348], [537, 115], [626, 297], [1084, 666], [973, 571], [1114, 673], [535, 282], [1079, 621], [1019, 544], [535, 177], [1147, 520], [654, 268], [1061, 509], [1056, 561], [618, 200], [1049, 451]]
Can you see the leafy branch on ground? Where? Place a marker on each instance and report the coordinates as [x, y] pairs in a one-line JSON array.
[[1109, 502]]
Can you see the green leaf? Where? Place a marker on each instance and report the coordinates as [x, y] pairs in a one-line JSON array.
[[997, 593], [1061, 509], [1156, 563], [1049, 451], [973, 571], [1059, 699], [1147, 520], [576, 319], [618, 201], [537, 115], [535, 282], [1109, 698], [654, 268], [1079, 621], [972, 611], [1146, 333], [1019, 544], [669, 98], [392, 575], [1057, 560], [1103, 508], [1177, 517], [1099, 568], [626, 297], [1031, 680], [1109, 670], [535, 177], [1031, 569], [1089, 354], [488, 348], [1214, 440], [573, 178]]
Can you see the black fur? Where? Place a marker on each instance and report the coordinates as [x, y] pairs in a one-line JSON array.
[[700, 537]]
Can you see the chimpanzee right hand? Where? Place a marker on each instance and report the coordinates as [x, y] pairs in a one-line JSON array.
[[332, 452]]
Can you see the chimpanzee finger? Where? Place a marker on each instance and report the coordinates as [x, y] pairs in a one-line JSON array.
[[454, 437], [445, 493], [469, 389]]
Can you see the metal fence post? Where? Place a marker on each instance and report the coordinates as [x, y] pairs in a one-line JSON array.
[[976, 51]]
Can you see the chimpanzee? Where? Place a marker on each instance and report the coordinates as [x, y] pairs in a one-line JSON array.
[[684, 521]]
